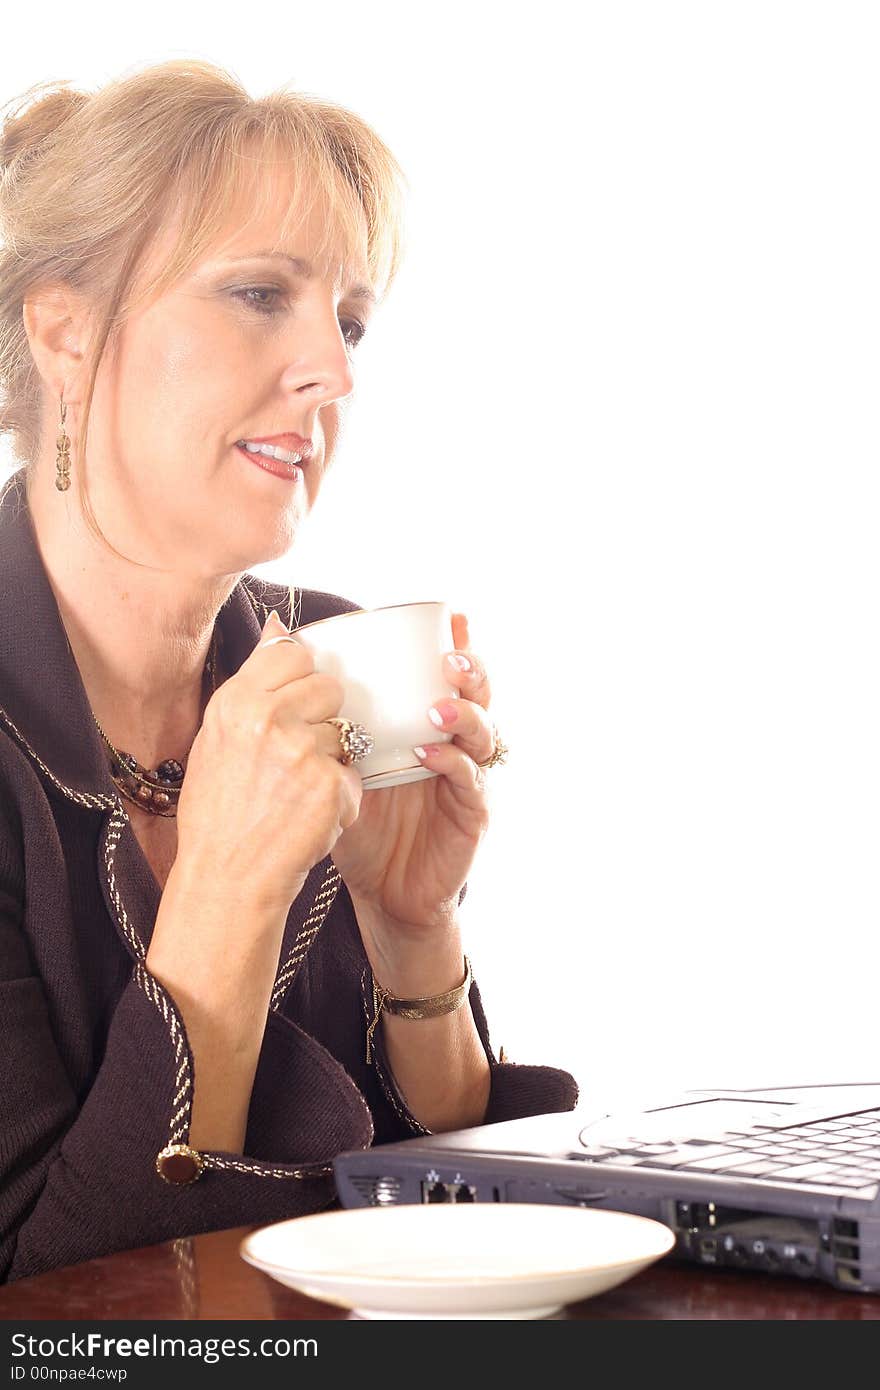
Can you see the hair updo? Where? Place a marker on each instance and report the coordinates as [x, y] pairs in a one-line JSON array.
[[88, 181], [23, 134]]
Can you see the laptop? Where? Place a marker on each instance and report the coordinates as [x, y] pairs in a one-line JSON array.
[[783, 1180]]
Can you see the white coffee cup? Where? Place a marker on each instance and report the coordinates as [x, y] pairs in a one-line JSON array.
[[390, 664]]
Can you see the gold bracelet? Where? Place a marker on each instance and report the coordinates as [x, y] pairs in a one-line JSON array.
[[431, 1006]]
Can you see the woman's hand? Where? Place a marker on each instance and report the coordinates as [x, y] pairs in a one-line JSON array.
[[266, 794], [265, 797], [407, 855]]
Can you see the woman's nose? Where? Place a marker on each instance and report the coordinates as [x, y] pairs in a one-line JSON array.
[[319, 363]]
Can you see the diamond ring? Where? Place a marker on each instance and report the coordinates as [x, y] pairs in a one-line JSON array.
[[355, 741]]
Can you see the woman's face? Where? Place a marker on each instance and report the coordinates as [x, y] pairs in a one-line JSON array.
[[246, 347]]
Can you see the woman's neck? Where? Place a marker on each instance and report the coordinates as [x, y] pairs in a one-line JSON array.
[[140, 638]]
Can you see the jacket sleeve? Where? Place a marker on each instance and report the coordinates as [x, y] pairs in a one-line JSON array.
[[515, 1090], [342, 987], [78, 1175]]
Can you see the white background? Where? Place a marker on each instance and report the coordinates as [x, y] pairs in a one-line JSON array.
[[621, 408]]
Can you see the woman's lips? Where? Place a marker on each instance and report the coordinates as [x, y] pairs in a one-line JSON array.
[[281, 469]]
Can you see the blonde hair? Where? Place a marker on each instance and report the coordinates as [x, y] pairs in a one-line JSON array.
[[87, 182]]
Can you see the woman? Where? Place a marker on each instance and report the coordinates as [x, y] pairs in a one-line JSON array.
[[198, 1002]]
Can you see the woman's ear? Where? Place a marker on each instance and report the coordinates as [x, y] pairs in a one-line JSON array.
[[56, 323]]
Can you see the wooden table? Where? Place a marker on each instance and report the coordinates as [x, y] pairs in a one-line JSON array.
[[204, 1278]]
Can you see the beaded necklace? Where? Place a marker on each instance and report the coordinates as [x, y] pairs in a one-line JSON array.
[[157, 791]]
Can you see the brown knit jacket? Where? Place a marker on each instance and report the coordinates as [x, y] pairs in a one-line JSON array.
[[96, 1076]]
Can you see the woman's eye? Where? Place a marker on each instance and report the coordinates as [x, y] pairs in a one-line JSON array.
[[263, 298], [352, 331]]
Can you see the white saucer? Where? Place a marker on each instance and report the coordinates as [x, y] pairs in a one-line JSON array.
[[505, 1260]]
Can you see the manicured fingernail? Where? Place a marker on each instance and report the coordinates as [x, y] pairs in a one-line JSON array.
[[420, 752], [270, 626], [444, 713], [460, 662]]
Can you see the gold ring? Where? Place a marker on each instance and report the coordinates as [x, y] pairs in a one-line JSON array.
[[498, 755], [355, 741]]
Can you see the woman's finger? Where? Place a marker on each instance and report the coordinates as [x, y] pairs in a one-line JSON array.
[[312, 698], [464, 669], [461, 636], [277, 659], [460, 770], [470, 725], [328, 739]]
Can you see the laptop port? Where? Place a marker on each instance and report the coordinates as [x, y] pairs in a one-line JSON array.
[[694, 1216], [437, 1192], [463, 1192]]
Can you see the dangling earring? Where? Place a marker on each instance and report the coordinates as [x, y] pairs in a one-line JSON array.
[[62, 458]]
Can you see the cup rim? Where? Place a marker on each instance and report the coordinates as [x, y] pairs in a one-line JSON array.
[[383, 608]]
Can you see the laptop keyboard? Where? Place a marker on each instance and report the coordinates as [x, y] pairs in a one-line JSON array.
[[842, 1152]]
